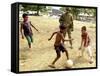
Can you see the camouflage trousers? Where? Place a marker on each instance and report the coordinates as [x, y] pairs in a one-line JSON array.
[[68, 31]]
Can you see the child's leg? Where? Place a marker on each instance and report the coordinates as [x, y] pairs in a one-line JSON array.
[[82, 51], [90, 54], [89, 51], [31, 38], [58, 56], [63, 49], [29, 41], [57, 48], [66, 52]]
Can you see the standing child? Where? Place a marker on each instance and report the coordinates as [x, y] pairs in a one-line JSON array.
[[27, 30], [85, 43], [59, 46]]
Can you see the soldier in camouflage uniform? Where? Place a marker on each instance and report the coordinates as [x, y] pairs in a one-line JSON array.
[[66, 20]]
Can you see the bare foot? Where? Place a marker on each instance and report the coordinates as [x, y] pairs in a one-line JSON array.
[[52, 66], [30, 49]]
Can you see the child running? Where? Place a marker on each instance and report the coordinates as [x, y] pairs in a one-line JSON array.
[[85, 43], [59, 46], [27, 30]]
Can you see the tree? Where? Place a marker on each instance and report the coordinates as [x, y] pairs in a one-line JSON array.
[[62, 9], [76, 11], [37, 8]]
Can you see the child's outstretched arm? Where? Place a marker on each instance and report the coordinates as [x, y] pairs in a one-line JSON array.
[[34, 26], [52, 35], [21, 30], [63, 39], [68, 39]]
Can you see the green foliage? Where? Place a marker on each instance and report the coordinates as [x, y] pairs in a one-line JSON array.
[[37, 8], [76, 11]]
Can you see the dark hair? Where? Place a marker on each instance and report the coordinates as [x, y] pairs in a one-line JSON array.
[[24, 15], [62, 27], [83, 28]]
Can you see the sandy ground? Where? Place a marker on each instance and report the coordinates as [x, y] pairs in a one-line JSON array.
[[42, 52]]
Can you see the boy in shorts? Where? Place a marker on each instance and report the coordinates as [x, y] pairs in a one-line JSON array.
[[26, 29], [85, 43], [59, 46]]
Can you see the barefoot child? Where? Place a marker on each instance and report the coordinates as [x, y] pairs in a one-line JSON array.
[[85, 43], [59, 46], [27, 30]]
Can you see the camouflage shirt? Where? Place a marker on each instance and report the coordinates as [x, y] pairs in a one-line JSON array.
[[67, 20]]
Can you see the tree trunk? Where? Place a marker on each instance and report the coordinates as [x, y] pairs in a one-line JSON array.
[[37, 10]]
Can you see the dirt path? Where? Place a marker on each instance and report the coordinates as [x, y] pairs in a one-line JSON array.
[[43, 53]]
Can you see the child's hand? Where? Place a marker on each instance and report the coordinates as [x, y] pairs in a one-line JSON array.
[[38, 31]]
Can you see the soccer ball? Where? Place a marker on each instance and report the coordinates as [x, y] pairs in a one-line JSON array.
[[91, 61], [69, 63]]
